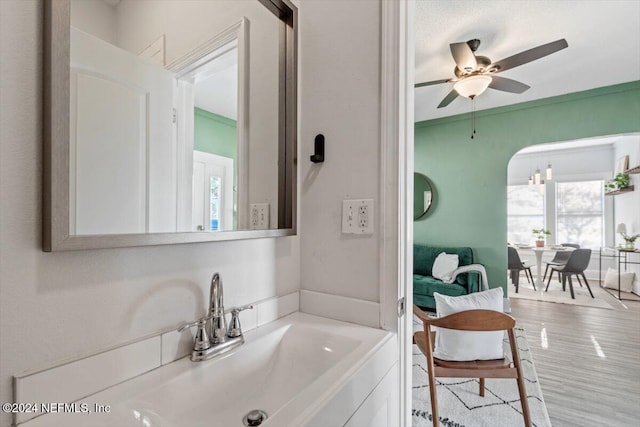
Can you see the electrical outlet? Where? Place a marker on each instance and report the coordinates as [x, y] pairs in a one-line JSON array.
[[357, 216], [259, 216]]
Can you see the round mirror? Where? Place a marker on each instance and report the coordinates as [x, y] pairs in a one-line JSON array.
[[422, 195]]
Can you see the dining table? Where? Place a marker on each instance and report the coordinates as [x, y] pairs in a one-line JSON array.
[[538, 251]]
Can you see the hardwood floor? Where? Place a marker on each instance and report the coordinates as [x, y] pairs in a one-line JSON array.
[[587, 359]]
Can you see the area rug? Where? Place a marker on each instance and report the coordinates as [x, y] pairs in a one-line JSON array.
[[556, 295], [460, 405]]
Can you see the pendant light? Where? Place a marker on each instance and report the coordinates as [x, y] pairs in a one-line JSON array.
[[536, 178], [549, 172]]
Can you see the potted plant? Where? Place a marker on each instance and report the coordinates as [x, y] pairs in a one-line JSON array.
[[540, 233], [620, 181], [630, 240]]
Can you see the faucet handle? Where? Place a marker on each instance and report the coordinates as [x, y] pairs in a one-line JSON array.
[[201, 341], [235, 330], [238, 309]]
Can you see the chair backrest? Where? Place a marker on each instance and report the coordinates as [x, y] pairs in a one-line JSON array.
[[571, 245], [514, 261], [578, 261], [475, 320], [561, 256]]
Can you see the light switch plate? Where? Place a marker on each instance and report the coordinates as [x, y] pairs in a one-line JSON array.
[[357, 216]]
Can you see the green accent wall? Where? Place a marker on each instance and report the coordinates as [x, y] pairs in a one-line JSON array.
[[469, 176], [215, 134]]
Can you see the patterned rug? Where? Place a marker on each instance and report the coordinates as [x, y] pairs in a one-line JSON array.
[[557, 295], [460, 405]]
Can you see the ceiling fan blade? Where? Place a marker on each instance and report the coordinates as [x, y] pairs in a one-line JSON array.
[[529, 55], [434, 82], [507, 85], [464, 57], [448, 99]]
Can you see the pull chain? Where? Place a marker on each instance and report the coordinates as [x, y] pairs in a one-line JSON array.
[[473, 116]]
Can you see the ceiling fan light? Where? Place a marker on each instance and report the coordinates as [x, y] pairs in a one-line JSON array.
[[472, 86]]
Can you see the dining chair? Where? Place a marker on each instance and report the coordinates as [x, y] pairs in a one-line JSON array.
[[470, 320], [576, 264], [559, 259], [515, 266]]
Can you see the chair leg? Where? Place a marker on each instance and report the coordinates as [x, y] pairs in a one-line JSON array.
[[563, 279], [546, 270], [481, 392], [549, 281], [533, 282], [432, 380], [586, 283], [560, 278], [516, 276], [522, 391], [578, 277], [571, 286]]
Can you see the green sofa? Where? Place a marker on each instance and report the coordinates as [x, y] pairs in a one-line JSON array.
[[424, 284]]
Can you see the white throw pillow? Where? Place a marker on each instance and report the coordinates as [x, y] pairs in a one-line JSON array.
[[626, 280], [444, 265], [464, 345]]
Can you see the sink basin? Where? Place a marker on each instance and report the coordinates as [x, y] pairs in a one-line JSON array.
[[289, 369]]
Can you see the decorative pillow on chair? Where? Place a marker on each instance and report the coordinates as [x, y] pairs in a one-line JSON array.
[[626, 280], [444, 265], [463, 345]]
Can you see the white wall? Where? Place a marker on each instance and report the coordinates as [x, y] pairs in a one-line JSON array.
[[95, 17], [59, 305], [340, 63], [627, 205]]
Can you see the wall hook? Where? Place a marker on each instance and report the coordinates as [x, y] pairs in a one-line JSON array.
[[318, 149]]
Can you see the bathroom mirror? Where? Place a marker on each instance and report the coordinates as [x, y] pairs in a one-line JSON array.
[[168, 121], [422, 195]]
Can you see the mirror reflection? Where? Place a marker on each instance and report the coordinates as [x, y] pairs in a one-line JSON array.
[[422, 195], [163, 137]]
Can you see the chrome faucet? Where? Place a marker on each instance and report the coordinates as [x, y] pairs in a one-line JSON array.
[[216, 311], [207, 345]]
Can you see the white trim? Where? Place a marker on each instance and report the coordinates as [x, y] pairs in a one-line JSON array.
[[186, 66], [396, 185], [337, 307]]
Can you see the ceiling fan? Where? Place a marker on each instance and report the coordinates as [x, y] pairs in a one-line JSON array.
[[475, 73]]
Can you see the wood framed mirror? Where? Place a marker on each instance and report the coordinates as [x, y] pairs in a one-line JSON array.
[[168, 122]]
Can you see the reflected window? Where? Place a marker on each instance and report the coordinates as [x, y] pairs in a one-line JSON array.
[[214, 206]]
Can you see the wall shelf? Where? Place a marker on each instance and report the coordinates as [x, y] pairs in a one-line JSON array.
[[620, 191], [633, 170]]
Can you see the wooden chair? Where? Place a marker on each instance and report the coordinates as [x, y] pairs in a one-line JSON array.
[[471, 320]]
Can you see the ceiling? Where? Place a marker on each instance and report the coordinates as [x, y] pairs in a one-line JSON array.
[[603, 38]]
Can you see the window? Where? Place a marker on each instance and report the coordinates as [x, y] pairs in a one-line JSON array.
[[525, 211], [580, 213]]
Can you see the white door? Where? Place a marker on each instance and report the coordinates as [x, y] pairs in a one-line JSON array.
[[212, 192], [122, 150]]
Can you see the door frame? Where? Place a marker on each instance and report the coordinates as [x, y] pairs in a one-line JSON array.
[[396, 186]]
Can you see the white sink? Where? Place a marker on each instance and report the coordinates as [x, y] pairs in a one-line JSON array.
[[289, 368]]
